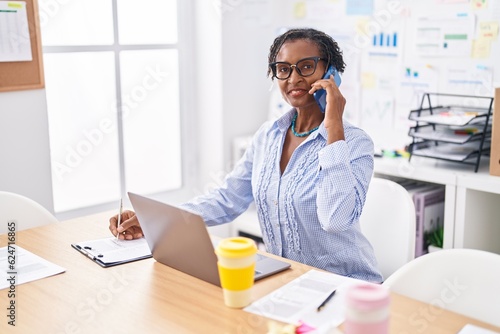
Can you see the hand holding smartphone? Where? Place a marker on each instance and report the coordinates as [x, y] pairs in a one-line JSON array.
[[320, 95]]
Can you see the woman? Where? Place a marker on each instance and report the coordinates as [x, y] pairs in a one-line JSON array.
[[308, 171]]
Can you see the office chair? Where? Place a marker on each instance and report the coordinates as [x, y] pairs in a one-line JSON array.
[[388, 222], [24, 211], [464, 281]]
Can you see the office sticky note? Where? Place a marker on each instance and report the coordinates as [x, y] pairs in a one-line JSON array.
[[368, 80], [488, 30], [479, 4], [361, 26], [481, 48], [299, 10], [15, 5]]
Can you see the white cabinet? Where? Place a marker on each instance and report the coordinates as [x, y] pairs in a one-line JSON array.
[[472, 200], [477, 218]]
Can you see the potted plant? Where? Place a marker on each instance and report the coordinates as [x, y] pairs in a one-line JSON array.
[[434, 239]]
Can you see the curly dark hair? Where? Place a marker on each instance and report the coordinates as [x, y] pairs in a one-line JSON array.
[[328, 48]]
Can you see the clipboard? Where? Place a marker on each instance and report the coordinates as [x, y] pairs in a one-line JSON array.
[[108, 252]]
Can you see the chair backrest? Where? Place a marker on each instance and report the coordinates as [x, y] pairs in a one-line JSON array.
[[24, 211], [465, 281], [388, 222]]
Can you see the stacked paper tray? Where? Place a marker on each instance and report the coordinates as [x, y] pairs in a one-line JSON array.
[[452, 151], [458, 116]]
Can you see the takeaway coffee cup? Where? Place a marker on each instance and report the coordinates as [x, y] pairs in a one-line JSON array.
[[236, 263], [367, 309]]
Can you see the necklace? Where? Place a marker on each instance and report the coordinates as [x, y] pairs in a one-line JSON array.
[[302, 134]]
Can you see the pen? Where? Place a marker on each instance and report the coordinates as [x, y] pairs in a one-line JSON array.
[[323, 304], [119, 217]]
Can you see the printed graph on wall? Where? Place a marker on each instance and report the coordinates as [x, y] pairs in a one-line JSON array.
[[377, 117], [447, 35], [381, 60], [414, 81]]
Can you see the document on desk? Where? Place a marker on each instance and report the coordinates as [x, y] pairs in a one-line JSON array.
[[298, 301], [109, 251], [472, 329], [18, 266]]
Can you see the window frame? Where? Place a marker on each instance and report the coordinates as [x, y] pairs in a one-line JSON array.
[[184, 47]]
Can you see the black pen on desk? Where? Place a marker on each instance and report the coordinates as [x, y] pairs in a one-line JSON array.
[[119, 222], [323, 304]]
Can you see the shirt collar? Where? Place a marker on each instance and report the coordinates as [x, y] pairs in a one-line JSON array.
[[285, 121]]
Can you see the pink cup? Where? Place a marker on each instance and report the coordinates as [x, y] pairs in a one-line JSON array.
[[367, 309]]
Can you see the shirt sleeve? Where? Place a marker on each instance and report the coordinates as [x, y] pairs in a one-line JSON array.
[[346, 168]]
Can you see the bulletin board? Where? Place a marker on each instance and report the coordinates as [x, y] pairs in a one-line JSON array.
[[20, 75], [394, 51]]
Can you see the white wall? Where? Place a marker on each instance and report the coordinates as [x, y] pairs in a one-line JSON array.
[[236, 103], [207, 83], [207, 87], [24, 146], [246, 92]]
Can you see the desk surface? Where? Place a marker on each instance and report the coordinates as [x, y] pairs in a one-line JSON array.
[[148, 297]]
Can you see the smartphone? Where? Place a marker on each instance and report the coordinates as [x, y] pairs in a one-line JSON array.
[[320, 95]]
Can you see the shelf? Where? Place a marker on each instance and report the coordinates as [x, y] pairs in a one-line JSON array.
[[420, 169], [446, 134], [450, 115], [481, 181], [459, 134], [439, 172], [452, 152]]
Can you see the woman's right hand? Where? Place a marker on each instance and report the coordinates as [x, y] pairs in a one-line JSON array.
[[130, 227]]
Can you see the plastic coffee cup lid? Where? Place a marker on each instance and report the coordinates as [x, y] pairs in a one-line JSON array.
[[236, 247]]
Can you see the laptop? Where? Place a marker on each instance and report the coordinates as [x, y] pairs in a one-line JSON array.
[[180, 239]]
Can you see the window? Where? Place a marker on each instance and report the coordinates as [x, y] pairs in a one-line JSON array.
[[112, 70]]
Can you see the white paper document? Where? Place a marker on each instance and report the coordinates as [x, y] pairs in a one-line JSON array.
[[472, 329], [15, 43], [18, 266], [445, 35], [298, 301], [110, 251]]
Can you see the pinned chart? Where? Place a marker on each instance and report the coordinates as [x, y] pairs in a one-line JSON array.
[[386, 43], [15, 42], [385, 40], [447, 35]]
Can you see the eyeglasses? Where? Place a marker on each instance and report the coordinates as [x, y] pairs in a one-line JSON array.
[[305, 67]]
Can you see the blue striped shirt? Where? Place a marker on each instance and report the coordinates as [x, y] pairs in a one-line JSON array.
[[309, 214]]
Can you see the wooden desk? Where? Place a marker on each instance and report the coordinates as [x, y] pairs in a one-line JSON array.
[[148, 297]]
